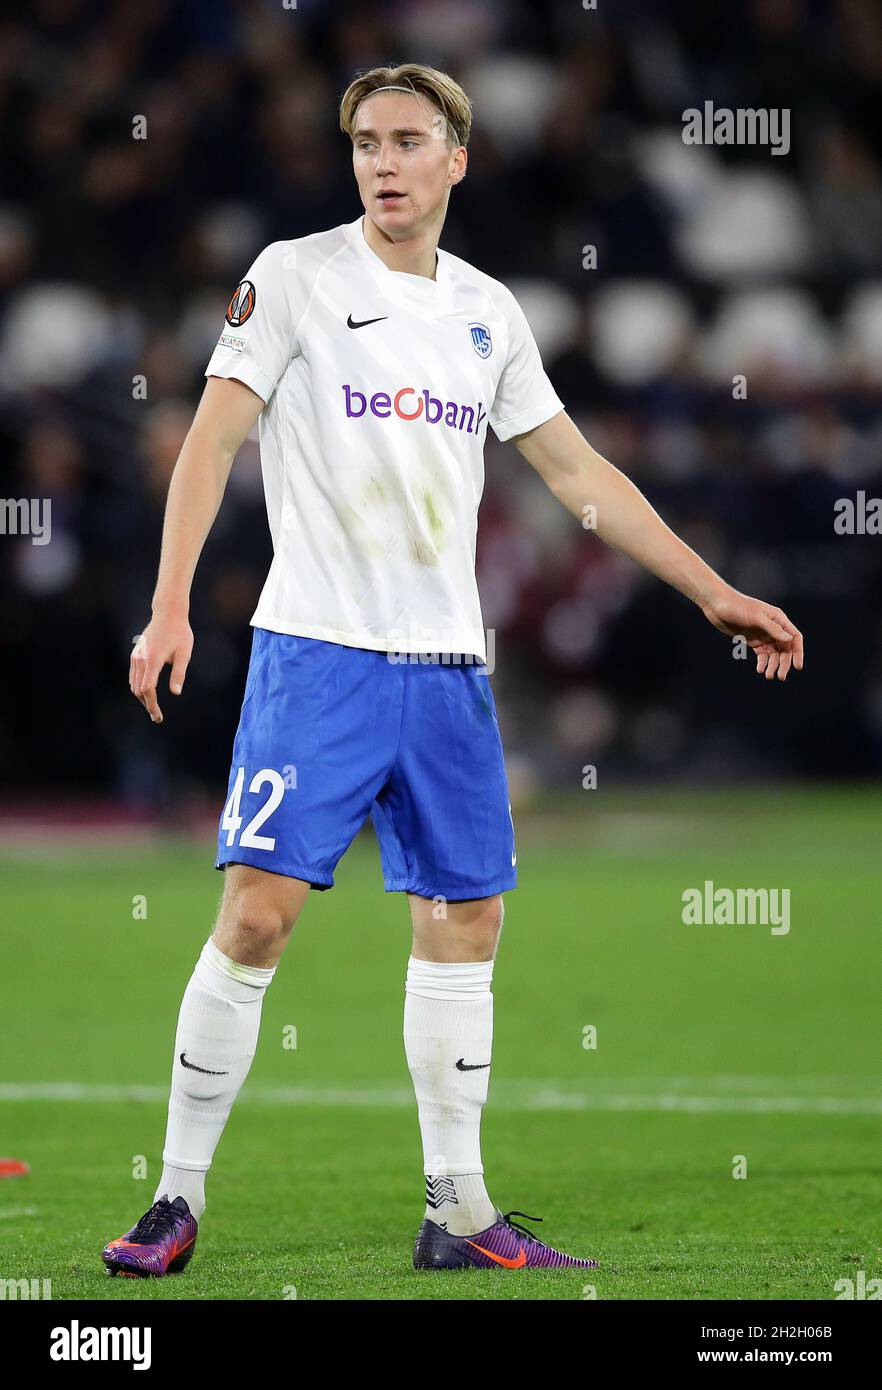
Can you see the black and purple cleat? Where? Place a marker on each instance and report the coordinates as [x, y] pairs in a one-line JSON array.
[[506, 1244], [161, 1243]]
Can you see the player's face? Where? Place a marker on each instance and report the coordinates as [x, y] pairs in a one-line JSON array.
[[403, 164]]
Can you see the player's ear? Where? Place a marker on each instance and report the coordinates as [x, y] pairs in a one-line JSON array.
[[458, 165]]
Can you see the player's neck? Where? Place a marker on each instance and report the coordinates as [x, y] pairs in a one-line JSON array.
[[416, 256]]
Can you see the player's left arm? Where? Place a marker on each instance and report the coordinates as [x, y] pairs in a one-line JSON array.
[[581, 478]]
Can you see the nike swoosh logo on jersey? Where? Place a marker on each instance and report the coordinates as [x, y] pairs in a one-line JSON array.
[[463, 1065], [205, 1072], [501, 1259], [363, 323]]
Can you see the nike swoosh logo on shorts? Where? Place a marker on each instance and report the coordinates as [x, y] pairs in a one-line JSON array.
[[350, 323]]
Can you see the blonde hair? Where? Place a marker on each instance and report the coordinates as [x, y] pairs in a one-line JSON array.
[[447, 96]]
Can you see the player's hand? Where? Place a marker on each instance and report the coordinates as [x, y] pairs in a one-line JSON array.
[[167, 640], [775, 640]]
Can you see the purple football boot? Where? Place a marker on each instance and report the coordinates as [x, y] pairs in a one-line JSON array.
[[161, 1243], [506, 1244]]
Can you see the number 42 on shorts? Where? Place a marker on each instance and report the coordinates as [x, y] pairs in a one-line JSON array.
[[231, 820]]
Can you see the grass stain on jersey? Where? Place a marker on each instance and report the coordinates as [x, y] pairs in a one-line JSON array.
[[436, 525], [374, 491]]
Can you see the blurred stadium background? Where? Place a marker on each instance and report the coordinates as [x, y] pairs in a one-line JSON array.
[[117, 259]]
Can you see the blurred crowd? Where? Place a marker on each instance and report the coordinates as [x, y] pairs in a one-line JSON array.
[[711, 315]]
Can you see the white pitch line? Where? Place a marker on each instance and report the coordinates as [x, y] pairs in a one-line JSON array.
[[505, 1095]]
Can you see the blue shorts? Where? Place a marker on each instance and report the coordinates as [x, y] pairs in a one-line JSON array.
[[329, 734]]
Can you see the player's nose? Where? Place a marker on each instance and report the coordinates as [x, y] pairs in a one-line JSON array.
[[386, 160]]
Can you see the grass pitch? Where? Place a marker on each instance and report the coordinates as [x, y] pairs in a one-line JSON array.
[[716, 1047]]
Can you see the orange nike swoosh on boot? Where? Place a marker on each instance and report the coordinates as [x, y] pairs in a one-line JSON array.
[[501, 1259]]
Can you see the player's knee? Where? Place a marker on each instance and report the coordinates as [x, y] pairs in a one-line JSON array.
[[259, 910], [487, 924], [468, 931]]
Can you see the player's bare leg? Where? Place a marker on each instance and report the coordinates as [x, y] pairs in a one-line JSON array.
[[215, 1043], [466, 931], [257, 914], [448, 1036]]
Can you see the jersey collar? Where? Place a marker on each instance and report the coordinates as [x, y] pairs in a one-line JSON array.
[[415, 292]]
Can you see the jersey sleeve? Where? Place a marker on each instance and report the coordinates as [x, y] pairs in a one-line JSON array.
[[259, 334], [524, 396]]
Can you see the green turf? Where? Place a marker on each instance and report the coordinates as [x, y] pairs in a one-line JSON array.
[[325, 1198]]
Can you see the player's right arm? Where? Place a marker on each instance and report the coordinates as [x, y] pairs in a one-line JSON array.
[[223, 420]]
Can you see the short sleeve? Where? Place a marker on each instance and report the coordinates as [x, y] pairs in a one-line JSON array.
[[524, 397], [258, 339]]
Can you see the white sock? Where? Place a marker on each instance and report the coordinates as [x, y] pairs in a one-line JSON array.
[[217, 1035], [448, 1020]]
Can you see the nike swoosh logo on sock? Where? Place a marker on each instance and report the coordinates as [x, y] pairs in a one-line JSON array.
[[204, 1070], [502, 1259], [463, 1065]]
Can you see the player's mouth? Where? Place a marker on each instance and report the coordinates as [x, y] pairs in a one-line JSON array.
[[390, 198]]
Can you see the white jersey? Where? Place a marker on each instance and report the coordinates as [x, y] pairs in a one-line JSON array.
[[379, 386]]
